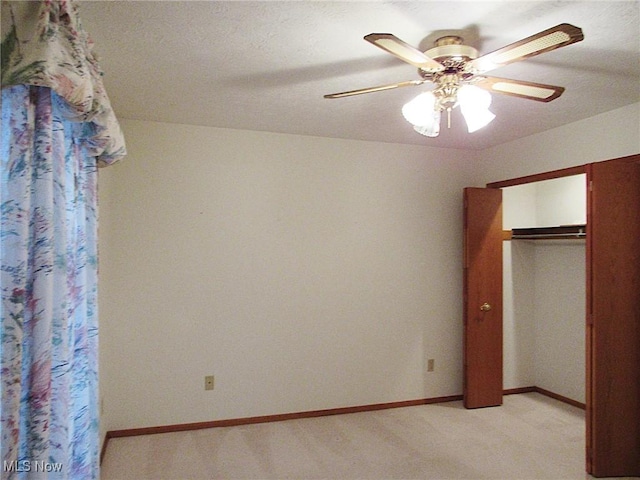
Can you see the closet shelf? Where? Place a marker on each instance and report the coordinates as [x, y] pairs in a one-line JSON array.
[[570, 232]]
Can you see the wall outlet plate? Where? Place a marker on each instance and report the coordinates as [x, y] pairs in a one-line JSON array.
[[208, 382]]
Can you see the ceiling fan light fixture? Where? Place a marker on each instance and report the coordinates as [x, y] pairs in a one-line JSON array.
[[423, 113], [432, 130], [420, 110], [474, 105], [477, 118], [472, 97]]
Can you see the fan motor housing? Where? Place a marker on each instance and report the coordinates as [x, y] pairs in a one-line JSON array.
[[456, 52], [451, 53]]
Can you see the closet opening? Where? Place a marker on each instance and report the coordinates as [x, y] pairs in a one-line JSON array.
[[544, 287]]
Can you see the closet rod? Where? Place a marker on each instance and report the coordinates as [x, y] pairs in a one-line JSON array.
[[548, 235]]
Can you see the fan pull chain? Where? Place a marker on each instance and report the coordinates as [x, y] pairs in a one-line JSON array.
[[449, 117]]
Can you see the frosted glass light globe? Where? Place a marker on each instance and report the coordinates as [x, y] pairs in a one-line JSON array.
[[419, 111]]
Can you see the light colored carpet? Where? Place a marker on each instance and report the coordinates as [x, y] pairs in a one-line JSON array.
[[529, 437]]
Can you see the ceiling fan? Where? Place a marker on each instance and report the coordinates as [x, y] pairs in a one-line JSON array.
[[458, 74]]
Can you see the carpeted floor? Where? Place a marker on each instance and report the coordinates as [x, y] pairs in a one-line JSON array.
[[529, 437]]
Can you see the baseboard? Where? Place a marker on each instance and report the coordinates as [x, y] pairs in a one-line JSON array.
[[274, 418], [546, 393], [561, 398], [514, 391]]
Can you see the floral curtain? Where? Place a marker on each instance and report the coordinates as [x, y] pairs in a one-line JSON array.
[[57, 128]]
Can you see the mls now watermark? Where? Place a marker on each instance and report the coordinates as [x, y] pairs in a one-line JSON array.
[[31, 466]]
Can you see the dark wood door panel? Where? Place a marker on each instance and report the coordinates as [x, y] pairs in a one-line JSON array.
[[613, 333], [482, 297]]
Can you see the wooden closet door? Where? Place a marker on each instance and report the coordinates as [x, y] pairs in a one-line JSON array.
[[482, 297], [613, 323]]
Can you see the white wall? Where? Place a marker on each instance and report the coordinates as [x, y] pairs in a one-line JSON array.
[[609, 135], [519, 332], [548, 203], [519, 208], [559, 318], [304, 273], [561, 201], [544, 316]]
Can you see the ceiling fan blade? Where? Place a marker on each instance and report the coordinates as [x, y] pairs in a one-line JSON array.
[[517, 88], [375, 89], [545, 41], [403, 51]]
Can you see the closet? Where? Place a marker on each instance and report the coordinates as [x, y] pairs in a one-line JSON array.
[[587, 257], [544, 287]]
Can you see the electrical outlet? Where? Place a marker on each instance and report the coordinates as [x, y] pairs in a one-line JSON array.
[[430, 365], [208, 382]]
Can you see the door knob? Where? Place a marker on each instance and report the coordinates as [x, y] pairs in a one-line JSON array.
[[485, 307]]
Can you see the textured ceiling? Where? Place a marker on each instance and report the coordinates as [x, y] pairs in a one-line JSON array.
[[266, 65]]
